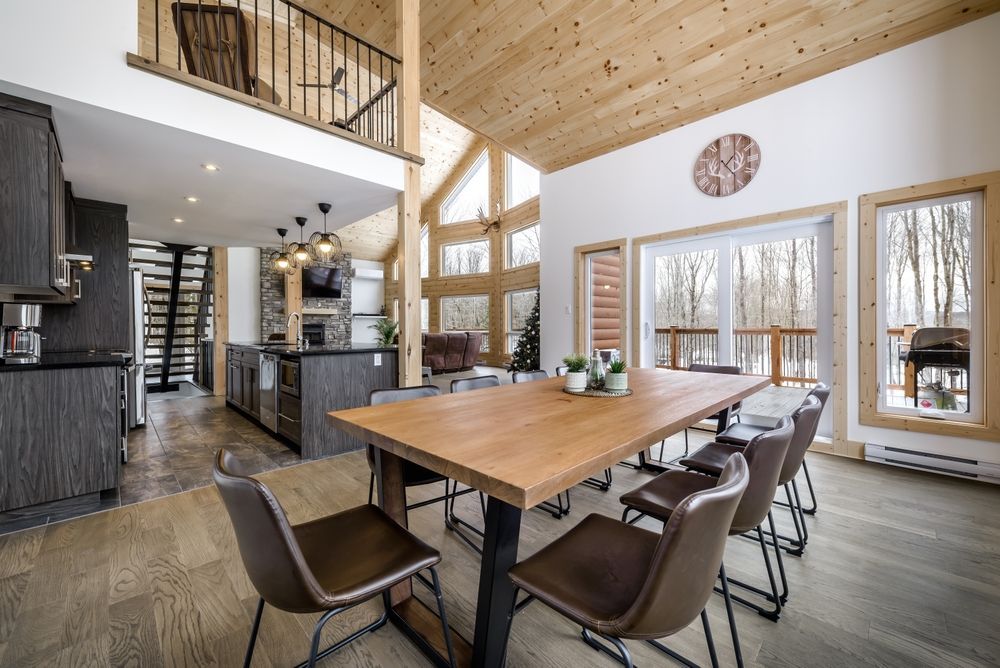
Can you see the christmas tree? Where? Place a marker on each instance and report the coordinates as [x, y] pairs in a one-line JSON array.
[[526, 352]]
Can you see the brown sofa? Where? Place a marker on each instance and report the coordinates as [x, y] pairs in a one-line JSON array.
[[445, 352]]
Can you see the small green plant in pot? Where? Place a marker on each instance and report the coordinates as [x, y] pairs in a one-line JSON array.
[[387, 330], [576, 372], [616, 378]]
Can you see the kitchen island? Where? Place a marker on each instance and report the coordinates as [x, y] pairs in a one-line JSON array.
[[290, 391]]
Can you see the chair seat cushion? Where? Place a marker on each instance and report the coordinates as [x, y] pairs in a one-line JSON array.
[[711, 458], [740, 433], [591, 574], [357, 553], [658, 497]]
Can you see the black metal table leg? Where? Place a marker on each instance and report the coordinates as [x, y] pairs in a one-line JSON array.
[[496, 591]]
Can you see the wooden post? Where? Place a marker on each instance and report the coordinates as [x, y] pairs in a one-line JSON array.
[[776, 355], [293, 302], [408, 48], [674, 340], [909, 374], [220, 318]]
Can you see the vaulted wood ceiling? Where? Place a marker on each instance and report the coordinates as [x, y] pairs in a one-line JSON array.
[[560, 81]]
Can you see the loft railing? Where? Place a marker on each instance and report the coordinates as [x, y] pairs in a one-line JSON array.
[[280, 53]]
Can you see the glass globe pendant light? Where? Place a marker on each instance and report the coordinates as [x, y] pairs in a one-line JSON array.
[[303, 253], [281, 261], [326, 244]]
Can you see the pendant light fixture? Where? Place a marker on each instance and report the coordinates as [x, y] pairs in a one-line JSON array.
[[281, 261], [303, 253], [326, 244]]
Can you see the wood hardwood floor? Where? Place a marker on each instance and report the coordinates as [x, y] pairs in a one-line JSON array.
[[902, 569]]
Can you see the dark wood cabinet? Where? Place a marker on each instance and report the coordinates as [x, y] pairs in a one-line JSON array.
[[243, 386], [32, 197], [251, 387], [60, 433]]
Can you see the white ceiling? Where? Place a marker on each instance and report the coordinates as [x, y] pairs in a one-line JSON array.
[[151, 168]]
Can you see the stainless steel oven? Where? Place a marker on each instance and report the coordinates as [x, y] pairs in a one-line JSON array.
[[288, 378]]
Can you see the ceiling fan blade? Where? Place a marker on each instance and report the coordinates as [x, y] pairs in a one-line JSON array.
[[337, 76]]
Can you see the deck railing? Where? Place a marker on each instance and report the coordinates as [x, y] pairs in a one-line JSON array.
[[282, 54]]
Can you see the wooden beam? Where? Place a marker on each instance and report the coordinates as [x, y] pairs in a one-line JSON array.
[[293, 301], [220, 318]]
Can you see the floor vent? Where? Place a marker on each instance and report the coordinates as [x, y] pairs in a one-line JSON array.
[[927, 461]]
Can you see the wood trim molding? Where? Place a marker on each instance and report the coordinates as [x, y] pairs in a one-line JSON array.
[[989, 184], [839, 444], [580, 292], [172, 73], [293, 302], [220, 319]]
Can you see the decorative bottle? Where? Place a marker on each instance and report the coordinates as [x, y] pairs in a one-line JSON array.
[[596, 370]]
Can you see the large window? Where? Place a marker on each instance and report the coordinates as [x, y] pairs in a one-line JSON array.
[[930, 307], [522, 181], [424, 313], [470, 196], [467, 313], [424, 253], [467, 257], [523, 246], [520, 303]]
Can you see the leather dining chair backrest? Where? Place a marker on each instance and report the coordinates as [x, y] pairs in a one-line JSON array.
[[270, 552], [686, 562], [477, 383], [719, 368], [806, 420], [561, 370], [765, 454], [822, 392], [413, 474], [528, 376]]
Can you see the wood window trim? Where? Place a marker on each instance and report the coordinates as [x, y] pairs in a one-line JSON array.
[[839, 444], [580, 286], [989, 185]]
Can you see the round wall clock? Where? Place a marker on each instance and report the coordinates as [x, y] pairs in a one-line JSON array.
[[727, 165]]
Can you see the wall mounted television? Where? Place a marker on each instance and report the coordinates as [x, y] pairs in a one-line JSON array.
[[322, 282]]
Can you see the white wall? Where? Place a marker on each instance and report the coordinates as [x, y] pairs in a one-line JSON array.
[[244, 294], [367, 296], [922, 113]]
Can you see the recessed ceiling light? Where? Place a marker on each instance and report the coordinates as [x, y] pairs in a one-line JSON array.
[[178, 220], [209, 167], [191, 198]]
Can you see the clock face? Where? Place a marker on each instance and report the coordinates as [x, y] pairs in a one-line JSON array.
[[727, 165]]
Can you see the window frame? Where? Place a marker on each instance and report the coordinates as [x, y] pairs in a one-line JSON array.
[[870, 303], [509, 247], [509, 159], [482, 160], [489, 253], [508, 317], [486, 332]]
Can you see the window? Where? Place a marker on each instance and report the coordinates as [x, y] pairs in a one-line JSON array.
[[467, 257], [425, 309], [424, 253], [930, 307], [468, 313], [523, 246], [520, 303], [395, 270], [522, 181], [470, 196]]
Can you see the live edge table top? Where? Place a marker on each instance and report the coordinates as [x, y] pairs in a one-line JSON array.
[[523, 443]]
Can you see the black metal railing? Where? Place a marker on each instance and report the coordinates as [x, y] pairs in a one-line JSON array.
[[280, 53]]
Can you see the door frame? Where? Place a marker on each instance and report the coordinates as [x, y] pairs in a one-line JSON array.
[[580, 254]]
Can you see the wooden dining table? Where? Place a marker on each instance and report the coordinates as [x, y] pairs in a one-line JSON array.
[[521, 445]]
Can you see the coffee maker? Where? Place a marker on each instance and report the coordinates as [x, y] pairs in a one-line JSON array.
[[21, 343]]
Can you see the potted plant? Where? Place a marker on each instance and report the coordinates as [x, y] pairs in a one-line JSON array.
[[616, 379], [387, 330], [576, 372]]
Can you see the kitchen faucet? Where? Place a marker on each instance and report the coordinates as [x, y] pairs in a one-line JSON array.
[[299, 341]]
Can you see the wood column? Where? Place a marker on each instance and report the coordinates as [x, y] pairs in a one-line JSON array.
[[408, 48], [293, 301], [220, 318]]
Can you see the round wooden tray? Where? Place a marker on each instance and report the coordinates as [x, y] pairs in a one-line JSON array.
[[599, 393]]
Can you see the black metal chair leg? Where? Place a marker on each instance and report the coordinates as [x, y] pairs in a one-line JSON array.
[[777, 554], [253, 633], [317, 632], [798, 507], [799, 544], [812, 493], [708, 639], [732, 617], [623, 656], [371, 488], [770, 613], [444, 617]]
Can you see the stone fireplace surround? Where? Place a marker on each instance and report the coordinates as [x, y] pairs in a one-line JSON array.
[[272, 303]]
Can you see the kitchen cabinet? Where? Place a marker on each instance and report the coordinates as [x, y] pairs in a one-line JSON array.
[[243, 388], [32, 208]]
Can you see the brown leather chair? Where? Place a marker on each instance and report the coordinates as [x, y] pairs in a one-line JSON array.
[[734, 410], [661, 497], [446, 352], [712, 457], [415, 475], [740, 434], [619, 581], [328, 565], [530, 376]]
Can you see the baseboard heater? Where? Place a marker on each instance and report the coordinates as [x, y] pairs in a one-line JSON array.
[[960, 467]]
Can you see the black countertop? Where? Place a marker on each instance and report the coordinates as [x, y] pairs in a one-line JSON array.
[[69, 361], [327, 349]]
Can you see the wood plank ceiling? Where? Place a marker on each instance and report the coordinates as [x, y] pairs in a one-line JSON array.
[[557, 82]]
